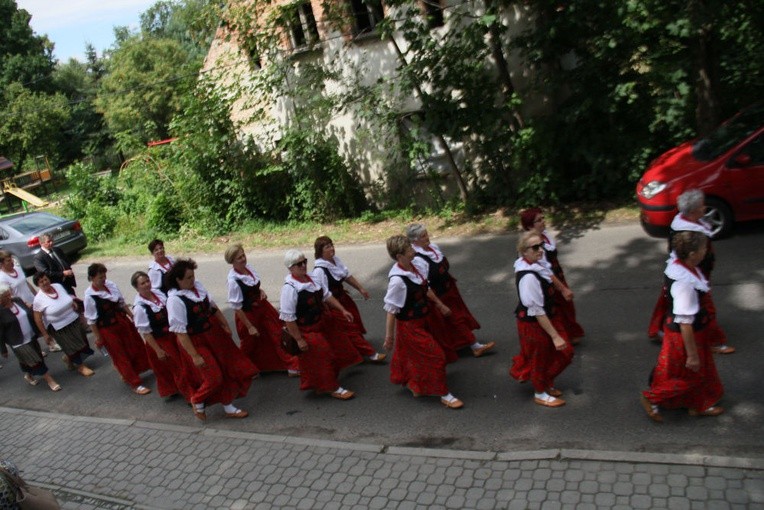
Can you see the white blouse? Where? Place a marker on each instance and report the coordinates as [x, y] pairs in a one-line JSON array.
[[683, 291], [26, 328], [176, 308], [18, 284], [111, 293], [290, 290], [58, 311], [140, 319], [529, 288], [338, 270], [156, 272], [395, 297], [235, 296], [432, 252], [681, 224]]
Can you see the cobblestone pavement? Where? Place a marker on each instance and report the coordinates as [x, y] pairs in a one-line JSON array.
[[122, 464]]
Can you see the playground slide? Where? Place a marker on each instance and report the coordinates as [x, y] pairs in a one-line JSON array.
[[26, 196]]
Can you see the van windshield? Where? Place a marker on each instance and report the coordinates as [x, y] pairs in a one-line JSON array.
[[728, 134]]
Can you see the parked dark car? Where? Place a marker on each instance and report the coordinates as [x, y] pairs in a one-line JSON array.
[[20, 235], [727, 165]]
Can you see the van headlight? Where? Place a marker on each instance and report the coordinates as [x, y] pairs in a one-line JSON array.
[[652, 188]]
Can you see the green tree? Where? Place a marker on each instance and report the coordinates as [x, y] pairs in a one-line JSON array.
[[24, 56], [142, 90], [192, 23]]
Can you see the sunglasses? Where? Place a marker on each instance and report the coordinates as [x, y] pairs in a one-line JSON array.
[[535, 247], [303, 262]]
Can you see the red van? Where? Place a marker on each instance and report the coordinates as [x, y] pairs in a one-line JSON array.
[[727, 165]]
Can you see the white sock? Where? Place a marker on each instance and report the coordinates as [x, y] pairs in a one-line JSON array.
[[476, 345], [448, 398], [340, 389], [374, 357], [546, 397], [230, 408], [199, 407]]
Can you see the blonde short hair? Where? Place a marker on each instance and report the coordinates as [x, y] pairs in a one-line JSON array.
[[232, 251], [522, 242]]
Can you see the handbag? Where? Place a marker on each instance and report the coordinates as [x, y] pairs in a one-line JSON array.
[[289, 343], [28, 497]]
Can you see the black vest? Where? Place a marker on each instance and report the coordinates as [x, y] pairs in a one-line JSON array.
[[198, 315], [251, 294], [158, 321], [107, 311], [310, 306], [437, 274], [335, 286], [551, 256], [521, 311], [416, 305], [701, 318]]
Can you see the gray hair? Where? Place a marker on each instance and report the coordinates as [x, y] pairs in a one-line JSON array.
[[293, 256], [4, 287], [690, 200], [415, 231]]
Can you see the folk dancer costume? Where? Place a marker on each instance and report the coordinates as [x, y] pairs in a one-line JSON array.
[[173, 374], [538, 361], [19, 331], [706, 266], [264, 350], [226, 373], [156, 272], [57, 311], [565, 310], [673, 385], [105, 309], [303, 304], [335, 274], [419, 361], [457, 331]]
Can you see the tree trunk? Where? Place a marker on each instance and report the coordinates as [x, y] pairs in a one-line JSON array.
[[708, 109], [463, 193], [502, 68]]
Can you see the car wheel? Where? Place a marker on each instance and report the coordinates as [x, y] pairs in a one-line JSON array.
[[719, 216]]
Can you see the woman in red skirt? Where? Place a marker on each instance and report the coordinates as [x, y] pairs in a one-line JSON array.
[[544, 348], [302, 310], [532, 220], [419, 362], [257, 322], [458, 319], [111, 322], [685, 375], [150, 319], [221, 373], [330, 268]]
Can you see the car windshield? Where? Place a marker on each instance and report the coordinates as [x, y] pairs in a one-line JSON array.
[[728, 134], [34, 222]]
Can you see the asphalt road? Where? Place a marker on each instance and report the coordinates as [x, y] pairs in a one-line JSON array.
[[615, 272]]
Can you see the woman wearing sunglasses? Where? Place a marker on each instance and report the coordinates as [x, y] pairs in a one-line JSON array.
[[532, 220], [302, 310], [544, 347]]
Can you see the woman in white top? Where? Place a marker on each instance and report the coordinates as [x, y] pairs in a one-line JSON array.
[[111, 322], [18, 330], [257, 321], [54, 306], [160, 265], [221, 372], [14, 276], [545, 350]]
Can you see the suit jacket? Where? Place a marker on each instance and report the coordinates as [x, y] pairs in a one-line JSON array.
[[44, 263]]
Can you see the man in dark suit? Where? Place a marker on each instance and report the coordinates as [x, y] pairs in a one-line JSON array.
[[53, 263]]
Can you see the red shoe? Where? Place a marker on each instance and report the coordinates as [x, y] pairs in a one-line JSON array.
[[711, 411], [554, 392]]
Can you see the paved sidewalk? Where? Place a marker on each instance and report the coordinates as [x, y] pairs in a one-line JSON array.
[[120, 464]]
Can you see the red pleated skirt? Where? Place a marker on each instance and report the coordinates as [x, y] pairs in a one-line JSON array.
[[126, 349], [539, 361], [318, 367], [659, 314], [264, 350], [346, 301], [675, 386], [418, 362], [343, 338], [227, 373], [461, 323], [170, 372]]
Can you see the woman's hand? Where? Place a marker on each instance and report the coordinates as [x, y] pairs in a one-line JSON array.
[[302, 344], [263, 295], [252, 331], [446, 311], [198, 361], [693, 363], [559, 343], [364, 293], [348, 316], [567, 294], [161, 354]]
